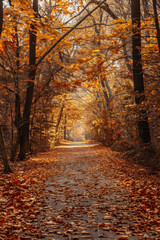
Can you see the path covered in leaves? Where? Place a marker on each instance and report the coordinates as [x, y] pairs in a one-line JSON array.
[[79, 191]]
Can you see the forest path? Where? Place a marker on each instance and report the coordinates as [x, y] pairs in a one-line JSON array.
[[88, 198], [80, 191]]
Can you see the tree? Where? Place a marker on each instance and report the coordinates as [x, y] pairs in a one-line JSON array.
[[1, 15], [24, 131], [7, 168], [143, 127], [156, 23]]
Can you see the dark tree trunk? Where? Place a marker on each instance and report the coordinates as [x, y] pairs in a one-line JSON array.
[[7, 168], [1, 16], [18, 119], [24, 131], [156, 23], [65, 128], [143, 127], [58, 123], [59, 118]]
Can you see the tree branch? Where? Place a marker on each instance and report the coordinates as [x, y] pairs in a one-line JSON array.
[[106, 7], [67, 33], [78, 13]]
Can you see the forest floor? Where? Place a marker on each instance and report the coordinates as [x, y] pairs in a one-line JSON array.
[[79, 191]]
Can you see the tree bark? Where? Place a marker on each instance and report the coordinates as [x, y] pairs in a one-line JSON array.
[[143, 127], [18, 119], [24, 135], [7, 168]]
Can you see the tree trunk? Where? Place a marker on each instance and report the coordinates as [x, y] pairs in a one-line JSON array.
[[156, 23], [1, 16], [65, 127], [58, 122], [143, 127], [59, 118], [18, 119], [7, 168], [24, 132]]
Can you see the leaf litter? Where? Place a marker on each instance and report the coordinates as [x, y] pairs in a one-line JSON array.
[[79, 193]]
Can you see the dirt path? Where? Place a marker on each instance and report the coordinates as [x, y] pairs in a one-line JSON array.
[[82, 196], [87, 199], [90, 194]]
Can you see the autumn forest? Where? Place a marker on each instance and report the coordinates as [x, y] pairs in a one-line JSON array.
[[79, 99]]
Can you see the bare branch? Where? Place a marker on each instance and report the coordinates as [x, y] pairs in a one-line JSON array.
[[106, 7], [67, 33], [78, 13]]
